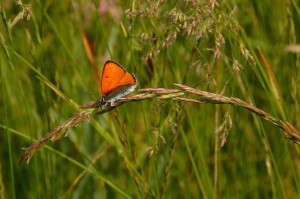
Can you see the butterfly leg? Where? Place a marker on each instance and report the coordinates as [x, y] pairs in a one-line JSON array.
[[108, 104]]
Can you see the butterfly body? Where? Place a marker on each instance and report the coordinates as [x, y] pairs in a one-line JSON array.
[[116, 82]]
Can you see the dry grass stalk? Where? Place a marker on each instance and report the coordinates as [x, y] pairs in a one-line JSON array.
[[91, 109]]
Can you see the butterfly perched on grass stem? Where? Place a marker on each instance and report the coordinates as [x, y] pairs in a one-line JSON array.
[[116, 82]]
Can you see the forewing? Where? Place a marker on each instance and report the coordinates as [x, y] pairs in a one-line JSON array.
[[112, 74]]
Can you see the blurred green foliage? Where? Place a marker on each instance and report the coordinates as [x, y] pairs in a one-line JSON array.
[[160, 149]]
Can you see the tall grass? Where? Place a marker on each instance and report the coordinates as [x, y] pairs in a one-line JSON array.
[[171, 144]]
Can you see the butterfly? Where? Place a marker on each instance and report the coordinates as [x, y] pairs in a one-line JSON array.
[[116, 82]]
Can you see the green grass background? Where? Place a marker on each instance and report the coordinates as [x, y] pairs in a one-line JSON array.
[[256, 161]]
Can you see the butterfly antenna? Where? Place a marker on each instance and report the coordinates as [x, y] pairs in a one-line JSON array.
[[87, 93]]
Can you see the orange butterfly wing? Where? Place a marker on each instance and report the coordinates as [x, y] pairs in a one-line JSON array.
[[114, 75], [127, 79]]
